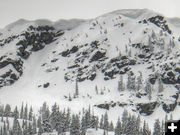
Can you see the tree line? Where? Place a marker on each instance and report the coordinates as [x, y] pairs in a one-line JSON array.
[[25, 122]]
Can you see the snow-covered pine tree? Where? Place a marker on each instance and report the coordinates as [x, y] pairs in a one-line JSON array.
[[30, 129], [139, 81], [46, 126], [70, 98], [106, 123], [7, 111], [40, 131], [145, 130], [5, 132], [1, 131], [67, 120], [22, 111], [162, 127], [75, 125], [25, 116], [83, 126], [30, 114], [124, 121], [111, 126], [1, 110], [102, 122], [16, 113], [61, 122], [16, 128], [76, 89], [96, 89], [34, 125], [121, 84], [157, 128], [97, 123], [7, 123], [25, 128], [131, 84], [118, 127], [148, 89], [54, 116], [39, 122], [160, 85]]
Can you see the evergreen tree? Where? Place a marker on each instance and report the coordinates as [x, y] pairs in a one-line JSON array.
[[7, 121], [111, 126], [22, 111], [34, 125], [121, 84], [75, 125], [83, 126], [1, 131], [1, 111], [5, 132], [148, 89], [124, 121], [139, 81], [106, 122], [30, 114], [97, 123], [118, 127], [131, 81], [54, 116], [70, 98], [46, 126], [76, 89], [7, 111], [16, 113], [157, 128], [102, 122], [16, 127], [25, 128], [160, 86], [162, 128], [146, 130], [96, 89], [25, 116], [67, 120], [30, 129], [39, 122]]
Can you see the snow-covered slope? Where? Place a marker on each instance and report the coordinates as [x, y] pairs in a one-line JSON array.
[[42, 61]]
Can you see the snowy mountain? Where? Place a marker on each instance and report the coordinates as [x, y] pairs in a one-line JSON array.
[[123, 59]]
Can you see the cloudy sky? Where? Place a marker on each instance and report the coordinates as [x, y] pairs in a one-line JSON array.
[[12, 10]]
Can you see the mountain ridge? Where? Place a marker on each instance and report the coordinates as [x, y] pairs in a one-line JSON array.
[[44, 63]]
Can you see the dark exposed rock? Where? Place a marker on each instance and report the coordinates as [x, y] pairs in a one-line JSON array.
[[92, 77], [146, 108], [65, 53], [74, 49], [98, 55], [23, 53], [160, 22], [122, 104], [103, 106], [169, 107], [152, 78], [46, 85]]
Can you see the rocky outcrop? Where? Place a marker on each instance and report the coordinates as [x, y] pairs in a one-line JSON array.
[[146, 108], [169, 107], [160, 22]]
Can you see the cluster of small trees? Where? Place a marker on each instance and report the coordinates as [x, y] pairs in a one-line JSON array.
[[62, 121], [137, 85]]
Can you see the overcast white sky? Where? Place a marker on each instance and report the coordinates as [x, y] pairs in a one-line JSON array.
[[12, 10]]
